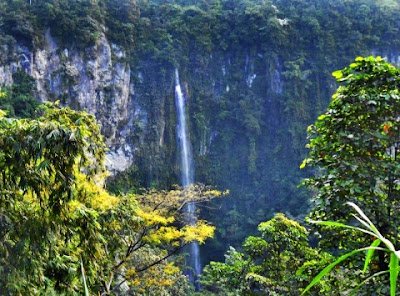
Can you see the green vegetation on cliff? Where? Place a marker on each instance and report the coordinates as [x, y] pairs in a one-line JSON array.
[[255, 73], [354, 148], [19, 99]]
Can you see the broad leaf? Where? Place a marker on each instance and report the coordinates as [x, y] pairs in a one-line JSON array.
[[370, 253], [394, 272]]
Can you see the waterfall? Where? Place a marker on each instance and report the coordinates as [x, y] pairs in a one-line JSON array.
[[187, 177]]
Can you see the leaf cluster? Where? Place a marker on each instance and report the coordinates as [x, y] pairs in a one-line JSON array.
[[354, 145], [58, 222]]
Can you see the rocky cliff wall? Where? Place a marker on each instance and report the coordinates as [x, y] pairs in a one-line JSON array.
[[254, 75], [97, 80]]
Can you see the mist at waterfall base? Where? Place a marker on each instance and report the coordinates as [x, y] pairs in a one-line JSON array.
[[187, 178]]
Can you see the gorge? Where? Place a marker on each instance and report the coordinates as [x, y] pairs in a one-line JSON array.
[[253, 76]]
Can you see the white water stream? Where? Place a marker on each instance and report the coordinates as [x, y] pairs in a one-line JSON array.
[[187, 176]]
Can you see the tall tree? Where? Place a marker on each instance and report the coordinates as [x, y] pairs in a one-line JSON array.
[[354, 148], [55, 215]]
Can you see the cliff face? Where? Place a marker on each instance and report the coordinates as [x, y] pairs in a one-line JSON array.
[[254, 76], [97, 80], [248, 110]]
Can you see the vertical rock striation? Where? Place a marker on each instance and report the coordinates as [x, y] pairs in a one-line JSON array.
[[97, 80]]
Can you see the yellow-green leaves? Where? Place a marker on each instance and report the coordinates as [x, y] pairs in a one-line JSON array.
[[328, 269], [198, 232], [3, 94], [154, 218], [305, 162], [264, 259], [144, 230], [337, 74], [394, 273], [2, 114], [189, 233], [370, 253]]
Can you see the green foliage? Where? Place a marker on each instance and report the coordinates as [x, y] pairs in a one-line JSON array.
[[16, 20], [76, 23], [369, 228], [247, 134], [268, 263], [43, 233], [19, 100], [355, 145], [227, 278], [120, 21], [249, 139], [62, 233]]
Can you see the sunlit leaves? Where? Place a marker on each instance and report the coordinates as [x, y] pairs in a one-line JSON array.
[[354, 147], [262, 266], [189, 233], [51, 224], [198, 232], [154, 218], [3, 94], [37, 153], [146, 229], [338, 74], [56, 217]]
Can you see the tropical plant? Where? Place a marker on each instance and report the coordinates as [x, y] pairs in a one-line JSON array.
[[62, 232], [354, 147], [46, 225], [380, 243]]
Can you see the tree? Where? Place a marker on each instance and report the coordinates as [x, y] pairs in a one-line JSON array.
[[268, 263], [354, 147], [144, 231], [45, 227], [121, 18], [56, 217]]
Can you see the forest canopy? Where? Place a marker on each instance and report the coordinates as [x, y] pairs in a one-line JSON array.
[[353, 147], [60, 225], [255, 74], [58, 222]]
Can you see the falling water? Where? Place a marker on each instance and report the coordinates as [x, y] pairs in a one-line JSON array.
[[187, 176]]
